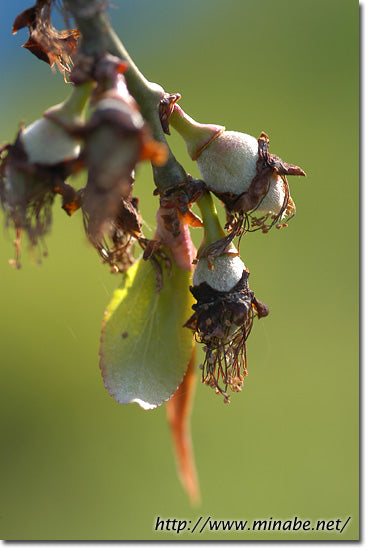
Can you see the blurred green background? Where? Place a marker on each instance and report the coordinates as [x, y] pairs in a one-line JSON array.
[[75, 464]]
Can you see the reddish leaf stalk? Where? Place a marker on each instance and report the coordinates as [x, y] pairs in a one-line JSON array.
[[178, 414]]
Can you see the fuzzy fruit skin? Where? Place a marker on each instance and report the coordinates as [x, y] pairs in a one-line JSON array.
[[226, 274], [273, 200], [228, 164], [46, 142]]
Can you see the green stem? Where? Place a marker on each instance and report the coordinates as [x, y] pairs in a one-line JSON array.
[[196, 135], [213, 231], [184, 124], [78, 100], [72, 110], [98, 37]]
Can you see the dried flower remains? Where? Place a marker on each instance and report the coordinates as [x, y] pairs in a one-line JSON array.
[[27, 192], [222, 321], [267, 201], [45, 41]]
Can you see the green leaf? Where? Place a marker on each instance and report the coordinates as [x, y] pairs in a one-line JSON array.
[[144, 347]]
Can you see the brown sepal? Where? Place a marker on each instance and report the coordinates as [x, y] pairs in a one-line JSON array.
[[26, 18], [128, 218], [218, 248], [240, 208], [261, 308], [27, 193], [278, 165], [266, 165], [166, 108], [192, 219], [72, 199]]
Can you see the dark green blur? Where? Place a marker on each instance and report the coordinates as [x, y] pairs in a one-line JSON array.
[[75, 464]]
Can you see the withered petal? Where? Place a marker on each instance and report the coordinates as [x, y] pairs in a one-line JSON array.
[[38, 51], [192, 219], [263, 145], [26, 18], [284, 168], [128, 218], [261, 308], [273, 161]]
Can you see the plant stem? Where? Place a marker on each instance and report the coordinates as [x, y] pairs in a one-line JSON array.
[[213, 231], [98, 37], [72, 110], [196, 135]]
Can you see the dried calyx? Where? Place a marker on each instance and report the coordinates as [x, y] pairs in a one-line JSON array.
[[45, 42], [177, 201], [267, 200], [238, 169], [224, 312]]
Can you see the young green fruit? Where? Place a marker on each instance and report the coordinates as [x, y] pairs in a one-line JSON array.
[[228, 164], [47, 140], [237, 167], [226, 273]]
